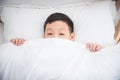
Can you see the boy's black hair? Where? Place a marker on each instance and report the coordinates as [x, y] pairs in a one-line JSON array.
[[62, 17]]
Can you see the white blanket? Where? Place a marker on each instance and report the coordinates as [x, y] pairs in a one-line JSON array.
[[58, 59]]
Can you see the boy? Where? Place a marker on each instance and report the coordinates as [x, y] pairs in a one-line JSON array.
[[59, 25]]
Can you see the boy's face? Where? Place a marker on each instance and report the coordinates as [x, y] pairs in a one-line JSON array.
[[58, 29]]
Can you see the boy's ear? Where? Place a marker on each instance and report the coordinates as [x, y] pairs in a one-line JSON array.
[[72, 36]]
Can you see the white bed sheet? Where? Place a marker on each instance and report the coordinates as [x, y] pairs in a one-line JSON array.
[[58, 59]]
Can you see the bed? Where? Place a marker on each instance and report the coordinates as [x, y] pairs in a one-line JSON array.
[[54, 58]]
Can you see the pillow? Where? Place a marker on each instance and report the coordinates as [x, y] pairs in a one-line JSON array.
[[1, 34], [93, 22], [97, 24], [24, 23]]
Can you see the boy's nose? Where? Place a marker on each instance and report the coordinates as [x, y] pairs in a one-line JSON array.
[[56, 36]]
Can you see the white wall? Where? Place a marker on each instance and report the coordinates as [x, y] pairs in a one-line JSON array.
[[41, 2]]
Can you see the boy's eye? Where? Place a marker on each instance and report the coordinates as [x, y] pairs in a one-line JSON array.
[[61, 34], [49, 33]]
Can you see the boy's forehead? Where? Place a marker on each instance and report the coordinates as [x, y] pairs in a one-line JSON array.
[[57, 24]]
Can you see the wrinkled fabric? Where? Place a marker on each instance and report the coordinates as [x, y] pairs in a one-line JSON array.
[[58, 59]]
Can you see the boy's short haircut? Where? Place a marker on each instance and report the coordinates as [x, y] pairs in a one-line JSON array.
[[60, 17]]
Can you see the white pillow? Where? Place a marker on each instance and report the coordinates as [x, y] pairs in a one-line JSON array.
[[24, 23], [93, 22], [97, 24], [1, 34]]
